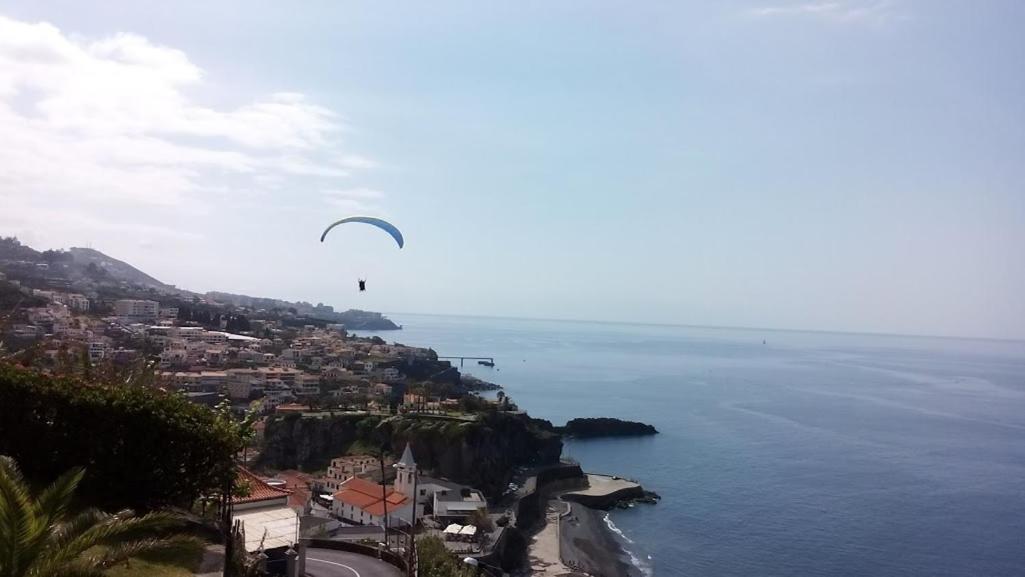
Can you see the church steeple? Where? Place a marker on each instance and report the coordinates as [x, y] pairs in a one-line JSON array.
[[405, 474]]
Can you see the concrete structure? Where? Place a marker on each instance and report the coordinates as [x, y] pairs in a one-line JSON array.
[[266, 518], [136, 309], [77, 302], [97, 350]]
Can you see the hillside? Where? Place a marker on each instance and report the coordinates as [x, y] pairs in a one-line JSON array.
[[119, 270], [98, 275]]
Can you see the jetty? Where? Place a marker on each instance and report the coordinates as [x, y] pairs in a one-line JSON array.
[[605, 492], [463, 359]]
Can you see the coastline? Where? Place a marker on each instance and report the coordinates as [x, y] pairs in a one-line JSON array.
[[588, 543]]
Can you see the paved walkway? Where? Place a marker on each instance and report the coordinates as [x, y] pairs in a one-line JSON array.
[[212, 564]]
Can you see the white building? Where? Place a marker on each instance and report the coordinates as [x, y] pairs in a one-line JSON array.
[[267, 520], [77, 302], [344, 468], [449, 500], [97, 350], [366, 503], [136, 309]]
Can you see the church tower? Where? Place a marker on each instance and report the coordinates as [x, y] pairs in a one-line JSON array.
[[405, 473]]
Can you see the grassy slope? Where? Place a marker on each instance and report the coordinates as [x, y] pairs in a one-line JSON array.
[[181, 563]]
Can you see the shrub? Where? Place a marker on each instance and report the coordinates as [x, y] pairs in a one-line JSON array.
[[143, 448]]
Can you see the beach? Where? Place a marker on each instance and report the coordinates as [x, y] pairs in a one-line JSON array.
[[589, 545]]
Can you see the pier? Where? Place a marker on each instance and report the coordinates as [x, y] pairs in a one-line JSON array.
[[461, 359]]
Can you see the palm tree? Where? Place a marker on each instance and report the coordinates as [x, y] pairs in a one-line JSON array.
[[40, 536]]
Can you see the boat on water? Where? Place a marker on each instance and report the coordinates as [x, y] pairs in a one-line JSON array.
[[486, 363]]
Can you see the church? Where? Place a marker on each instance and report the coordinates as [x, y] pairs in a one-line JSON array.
[[363, 502]]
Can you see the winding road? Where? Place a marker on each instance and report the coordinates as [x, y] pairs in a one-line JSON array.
[[331, 563]]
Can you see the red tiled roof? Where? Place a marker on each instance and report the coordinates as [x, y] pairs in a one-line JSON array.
[[259, 490], [377, 509], [367, 496]]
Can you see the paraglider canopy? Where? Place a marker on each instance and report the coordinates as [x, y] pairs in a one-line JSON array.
[[379, 223]]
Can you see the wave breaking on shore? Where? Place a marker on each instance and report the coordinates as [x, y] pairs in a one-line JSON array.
[[643, 566]]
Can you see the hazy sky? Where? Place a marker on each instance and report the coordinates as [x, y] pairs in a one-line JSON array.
[[825, 164]]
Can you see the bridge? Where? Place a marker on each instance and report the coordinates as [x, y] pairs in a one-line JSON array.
[[461, 359]]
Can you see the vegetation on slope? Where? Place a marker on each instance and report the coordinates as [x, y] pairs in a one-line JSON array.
[[143, 448]]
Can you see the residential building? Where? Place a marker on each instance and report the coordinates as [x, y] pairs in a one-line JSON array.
[[345, 468], [450, 501], [77, 302], [366, 503], [136, 309], [268, 522], [97, 350], [306, 385]]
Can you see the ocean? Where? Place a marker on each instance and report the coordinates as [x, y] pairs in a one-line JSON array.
[[811, 454]]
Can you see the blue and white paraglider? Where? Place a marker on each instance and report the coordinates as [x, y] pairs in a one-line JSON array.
[[379, 223]]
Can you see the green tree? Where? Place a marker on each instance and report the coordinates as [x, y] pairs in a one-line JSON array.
[[145, 448], [434, 560], [40, 536]]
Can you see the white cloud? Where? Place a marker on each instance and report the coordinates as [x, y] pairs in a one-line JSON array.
[[876, 11], [91, 128], [364, 200]]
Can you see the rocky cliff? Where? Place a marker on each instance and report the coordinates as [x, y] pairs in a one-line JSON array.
[[605, 427], [483, 452]]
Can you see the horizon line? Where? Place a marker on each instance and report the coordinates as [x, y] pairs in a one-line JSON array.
[[713, 327]]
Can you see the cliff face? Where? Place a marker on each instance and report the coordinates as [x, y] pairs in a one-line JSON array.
[[482, 453]]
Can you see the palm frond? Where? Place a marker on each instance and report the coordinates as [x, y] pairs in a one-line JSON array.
[[67, 530], [113, 529], [55, 500], [18, 525]]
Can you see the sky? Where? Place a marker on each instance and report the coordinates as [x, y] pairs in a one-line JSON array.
[[850, 165]]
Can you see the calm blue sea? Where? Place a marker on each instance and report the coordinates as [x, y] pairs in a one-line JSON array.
[[811, 454]]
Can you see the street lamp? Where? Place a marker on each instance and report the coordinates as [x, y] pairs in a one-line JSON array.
[[474, 562]]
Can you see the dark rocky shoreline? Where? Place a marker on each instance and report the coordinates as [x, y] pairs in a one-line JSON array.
[[591, 428]]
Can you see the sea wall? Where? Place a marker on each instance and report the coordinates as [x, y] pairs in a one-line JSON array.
[[530, 510], [608, 500]]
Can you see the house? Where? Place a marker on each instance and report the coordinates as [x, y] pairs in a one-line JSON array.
[[136, 309], [366, 503], [267, 521], [78, 302], [457, 504], [347, 467], [449, 501], [97, 350]]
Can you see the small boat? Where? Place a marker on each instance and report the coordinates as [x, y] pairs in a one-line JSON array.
[[486, 363]]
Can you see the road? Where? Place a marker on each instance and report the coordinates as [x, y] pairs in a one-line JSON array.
[[331, 563]]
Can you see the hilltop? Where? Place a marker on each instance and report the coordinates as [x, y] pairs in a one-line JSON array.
[[120, 270]]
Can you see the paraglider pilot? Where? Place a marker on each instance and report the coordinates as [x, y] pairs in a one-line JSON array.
[[362, 285]]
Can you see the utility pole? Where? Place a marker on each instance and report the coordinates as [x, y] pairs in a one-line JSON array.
[[412, 528], [384, 495]]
